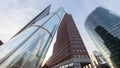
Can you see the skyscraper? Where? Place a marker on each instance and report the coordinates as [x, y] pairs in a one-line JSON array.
[[40, 16], [69, 50], [28, 48], [103, 27]]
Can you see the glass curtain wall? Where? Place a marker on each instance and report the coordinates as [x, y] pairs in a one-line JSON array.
[[28, 49], [103, 26]]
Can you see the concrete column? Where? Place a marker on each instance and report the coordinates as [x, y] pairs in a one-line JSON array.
[[84, 67], [90, 66]]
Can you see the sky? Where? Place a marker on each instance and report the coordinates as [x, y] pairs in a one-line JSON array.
[[15, 14]]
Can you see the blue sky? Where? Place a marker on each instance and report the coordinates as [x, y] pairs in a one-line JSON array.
[[14, 14]]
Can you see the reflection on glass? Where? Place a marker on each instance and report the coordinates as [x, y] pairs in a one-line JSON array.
[[28, 48], [112, 43], [110, 22]]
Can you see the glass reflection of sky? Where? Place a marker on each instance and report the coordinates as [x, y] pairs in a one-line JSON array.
[[31, 45]]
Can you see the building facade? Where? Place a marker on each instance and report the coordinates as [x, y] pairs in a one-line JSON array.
[[98, 60], [69, 50], [29, 47], [103, 26]]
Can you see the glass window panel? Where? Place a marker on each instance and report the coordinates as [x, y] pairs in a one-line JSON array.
[[71, 64], [44, 20], [52, 22], [33, 41], [16, 42], [60, 12]]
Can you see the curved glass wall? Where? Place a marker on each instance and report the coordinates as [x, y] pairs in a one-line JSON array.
[[103, 26], [28, 48]]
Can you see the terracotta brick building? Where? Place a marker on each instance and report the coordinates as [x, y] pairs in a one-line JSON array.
[[69, 50]]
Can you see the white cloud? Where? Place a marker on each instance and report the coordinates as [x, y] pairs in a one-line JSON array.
[[14, 14]]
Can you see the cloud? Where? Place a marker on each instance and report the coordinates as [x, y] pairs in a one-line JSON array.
[[14, 14], [8, 28]]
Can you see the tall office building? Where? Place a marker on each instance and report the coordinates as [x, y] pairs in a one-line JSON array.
[[40, 16], [28, 48], [98, 60], [69, 50], [103, 27]]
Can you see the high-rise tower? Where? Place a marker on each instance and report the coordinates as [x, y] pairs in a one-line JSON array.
[[29, 47], [69, 50], [103, 27]]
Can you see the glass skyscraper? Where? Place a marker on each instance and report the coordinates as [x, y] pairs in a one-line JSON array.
[[103, 26], [28, 48]]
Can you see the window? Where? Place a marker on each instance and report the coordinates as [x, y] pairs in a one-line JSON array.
[[86, 56], [82, 56], [66, 66], [73, 50], [62, 67], [80, 50], [75, 45], [77, 50], [78, 56], [71, 64], [84, 51], [74, 56]]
